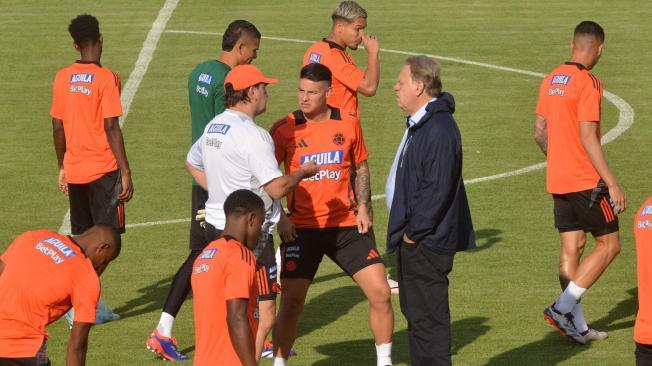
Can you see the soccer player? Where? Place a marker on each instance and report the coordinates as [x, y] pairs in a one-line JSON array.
[[42, 275], [643, 326], [93, 167], [240, 43], [224, 286], [234, 153], [586, 194], [326, 215], [349, 22]]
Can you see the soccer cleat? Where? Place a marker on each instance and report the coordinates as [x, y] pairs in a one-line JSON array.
[[595, 335], [268, 350], [564, 324], [165, 347], [393, 285]]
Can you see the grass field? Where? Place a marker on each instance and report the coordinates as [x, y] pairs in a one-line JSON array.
[[497, 292]]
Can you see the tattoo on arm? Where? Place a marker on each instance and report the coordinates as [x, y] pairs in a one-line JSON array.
[[362, 184]]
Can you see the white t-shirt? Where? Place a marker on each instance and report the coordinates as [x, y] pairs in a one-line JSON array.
[[235, 153]]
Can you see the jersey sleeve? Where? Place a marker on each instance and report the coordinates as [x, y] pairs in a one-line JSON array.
[[262, 159], [195, 154], [240, 274], [345, 71], [85, 296], [56, 110], [279, 140], [589, 99], [110, 103], [358, 148], [543, 99]]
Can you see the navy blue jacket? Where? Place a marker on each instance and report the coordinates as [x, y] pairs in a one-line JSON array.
[[429, 203]]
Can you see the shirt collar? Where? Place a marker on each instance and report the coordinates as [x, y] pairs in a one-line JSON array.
[[243, 116], [416, 117]]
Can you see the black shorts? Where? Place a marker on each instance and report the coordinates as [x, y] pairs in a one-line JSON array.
[[97, 203], [590, 211], [41, 359], [266, 270], [643, 354], [197, 237], [345, 246]]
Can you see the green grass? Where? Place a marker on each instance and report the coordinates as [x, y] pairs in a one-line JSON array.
[[497, 292]]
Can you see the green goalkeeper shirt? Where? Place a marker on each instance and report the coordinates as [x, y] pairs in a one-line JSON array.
[[206, 94]]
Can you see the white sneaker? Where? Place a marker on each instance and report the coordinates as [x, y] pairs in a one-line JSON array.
[[596, 335], [393, 285]]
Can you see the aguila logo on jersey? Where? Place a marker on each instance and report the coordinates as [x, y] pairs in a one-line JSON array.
[[338, 139], [324, 158], [82, 78], [61, 247], [560, 79], [646, 211], [219, 128], [314, 57], [208, 254], [205, 78]]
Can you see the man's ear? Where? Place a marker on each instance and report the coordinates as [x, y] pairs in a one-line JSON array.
[[329, 91], [600, 49], [420, 87], [75, 45]]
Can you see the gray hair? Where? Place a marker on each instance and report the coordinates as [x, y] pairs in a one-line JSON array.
[[426, 70], [348, 11]]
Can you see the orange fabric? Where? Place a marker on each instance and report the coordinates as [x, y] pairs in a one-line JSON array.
[[567, 96], [224, 270], [346, 75], [244, 76], [326, 199], [84, 94], [643, 234], [45, 274]]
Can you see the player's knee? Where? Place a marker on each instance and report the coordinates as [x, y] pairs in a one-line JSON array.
[[292, 304], [380, 297]]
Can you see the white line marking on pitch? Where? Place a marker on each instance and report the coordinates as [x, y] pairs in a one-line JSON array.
[[137, 74]]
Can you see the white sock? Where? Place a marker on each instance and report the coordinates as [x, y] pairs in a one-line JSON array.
[[280, 361], [165, 325], [384, 354], [569, 298], [578, 318]]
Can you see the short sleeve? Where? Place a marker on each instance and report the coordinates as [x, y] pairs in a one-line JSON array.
[[195, 154], [542, 104], [262, 159], [6, 255], [57, 108], [110, 94], [240, 275], [279, 141], [358, 148], [85, 296], [345, 71], [590, 97]]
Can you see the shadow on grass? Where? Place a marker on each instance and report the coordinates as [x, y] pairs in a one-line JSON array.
[[329, 277], [362, 352], [554, 349], [151, 298], [328, 307]]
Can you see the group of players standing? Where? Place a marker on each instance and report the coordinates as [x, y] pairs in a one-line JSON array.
[[236, 196]]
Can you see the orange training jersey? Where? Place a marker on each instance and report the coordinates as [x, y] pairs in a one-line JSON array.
[[327, 198], [224, 270], [643, 234], [45, 274], [346, 75], [84, 94], [568, 95]]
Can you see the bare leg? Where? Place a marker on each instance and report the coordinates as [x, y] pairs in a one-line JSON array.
[[267, 317], [293, 298], [373, 282]]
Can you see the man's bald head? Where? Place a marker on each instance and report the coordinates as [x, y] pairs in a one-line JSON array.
[[101, 244]]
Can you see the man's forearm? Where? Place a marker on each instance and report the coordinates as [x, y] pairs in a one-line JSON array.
[[116, 142], [76, 356], [240, 338], [591, 145], [59, 138], [281, 186], [198, 175], [362, 184]]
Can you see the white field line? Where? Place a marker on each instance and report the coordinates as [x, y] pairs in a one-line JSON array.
[[137, 74], [625, 119]]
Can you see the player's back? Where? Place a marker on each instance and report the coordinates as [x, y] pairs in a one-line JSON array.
[[568, 95], [42, 269], [84, 94], [643, 234], [346, 75], [206, 94], [224, 270]]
